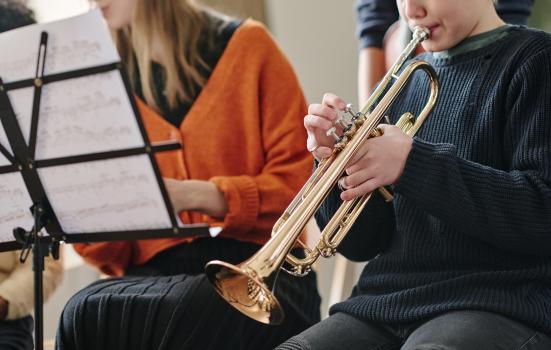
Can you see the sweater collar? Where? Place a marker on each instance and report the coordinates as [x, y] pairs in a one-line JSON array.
[[475, 42]]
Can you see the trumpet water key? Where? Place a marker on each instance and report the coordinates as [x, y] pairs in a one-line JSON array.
[[249, 286]]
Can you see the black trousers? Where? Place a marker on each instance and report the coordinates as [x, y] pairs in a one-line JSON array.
[[169, 304], [459, 330], [17, 334]]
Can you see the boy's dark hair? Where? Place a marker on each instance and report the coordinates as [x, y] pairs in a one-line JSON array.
[[13, 14]]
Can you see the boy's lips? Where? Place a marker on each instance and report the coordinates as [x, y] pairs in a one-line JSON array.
[[433, 27]]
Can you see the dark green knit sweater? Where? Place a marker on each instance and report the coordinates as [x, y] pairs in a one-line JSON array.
[[470, 227]]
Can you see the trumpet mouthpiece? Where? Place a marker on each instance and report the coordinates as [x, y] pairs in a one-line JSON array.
[[421, 33]]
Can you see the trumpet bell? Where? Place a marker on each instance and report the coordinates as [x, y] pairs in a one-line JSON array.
[[245, 292]]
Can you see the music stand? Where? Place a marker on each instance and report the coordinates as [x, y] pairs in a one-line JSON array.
[[24, 163]]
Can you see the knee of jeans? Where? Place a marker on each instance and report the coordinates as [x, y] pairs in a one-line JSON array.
[[427, 346], [293, 344]]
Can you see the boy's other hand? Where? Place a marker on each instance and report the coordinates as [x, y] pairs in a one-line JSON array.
[[380, 161]]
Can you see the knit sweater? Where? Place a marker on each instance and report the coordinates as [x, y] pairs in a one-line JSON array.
[[470, 226], [245, 133]]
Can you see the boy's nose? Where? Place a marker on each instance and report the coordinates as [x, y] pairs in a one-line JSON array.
[[415, 9]]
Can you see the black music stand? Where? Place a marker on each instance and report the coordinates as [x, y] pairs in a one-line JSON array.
[[23, 161]]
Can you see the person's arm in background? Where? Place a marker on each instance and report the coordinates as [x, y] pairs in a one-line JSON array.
[[18, 289], [515, 11], [374, 17]]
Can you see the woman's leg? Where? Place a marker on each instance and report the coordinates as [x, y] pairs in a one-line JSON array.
[[170, 312]]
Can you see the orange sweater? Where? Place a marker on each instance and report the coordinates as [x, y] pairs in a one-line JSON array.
[[244, 133]]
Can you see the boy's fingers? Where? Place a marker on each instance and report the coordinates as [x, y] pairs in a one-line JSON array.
[[333, 101]]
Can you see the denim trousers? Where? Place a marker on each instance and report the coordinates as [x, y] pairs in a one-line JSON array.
[[457, 330]]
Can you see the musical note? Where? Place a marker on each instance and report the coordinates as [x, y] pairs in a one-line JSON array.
[[14, 206], [75, 43], [77, 116], [109, 195]]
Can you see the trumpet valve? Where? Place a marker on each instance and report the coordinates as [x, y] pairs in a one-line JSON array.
[[333, 132], [327, 252], [301, 270], [350, 130], [350, 110], [406, 122], [341, 142], [376, 133]]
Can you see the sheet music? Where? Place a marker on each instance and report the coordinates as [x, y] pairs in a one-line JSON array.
[[78, 116], [14, 206], [4, 142], [75, 43], [111, 195], [3, 160]]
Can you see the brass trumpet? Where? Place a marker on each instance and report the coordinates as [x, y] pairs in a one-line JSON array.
[[248, 286]]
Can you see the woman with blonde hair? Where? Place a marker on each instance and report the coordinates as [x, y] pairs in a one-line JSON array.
[[224, 90]]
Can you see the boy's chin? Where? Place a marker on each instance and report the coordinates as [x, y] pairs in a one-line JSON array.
[[435, 46]]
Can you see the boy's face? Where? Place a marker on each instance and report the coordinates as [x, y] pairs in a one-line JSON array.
[[449, 21]]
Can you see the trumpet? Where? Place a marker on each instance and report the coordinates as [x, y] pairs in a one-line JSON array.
[[248, 286]]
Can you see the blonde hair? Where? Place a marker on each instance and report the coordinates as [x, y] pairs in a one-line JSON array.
[[178, 25]]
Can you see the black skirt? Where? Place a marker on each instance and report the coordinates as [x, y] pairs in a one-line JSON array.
[[170, 304]]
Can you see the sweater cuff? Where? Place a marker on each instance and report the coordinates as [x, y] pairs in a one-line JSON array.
[[421, 165], [243, 200]]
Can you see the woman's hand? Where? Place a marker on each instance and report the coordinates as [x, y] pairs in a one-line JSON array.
[[320, 118], [380, 161], [196, 195]]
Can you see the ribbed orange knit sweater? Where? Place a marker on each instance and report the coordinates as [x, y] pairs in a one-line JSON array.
[[244, 132]]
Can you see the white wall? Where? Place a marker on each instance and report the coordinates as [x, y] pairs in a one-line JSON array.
[[319, 38], [50, 10]]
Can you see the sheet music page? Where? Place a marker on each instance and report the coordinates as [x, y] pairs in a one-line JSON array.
[[14, 206], [111, 195], [74, 43], [4, 142], [77, 116], [80, 116]]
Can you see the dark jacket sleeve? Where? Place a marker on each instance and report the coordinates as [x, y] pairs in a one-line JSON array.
[[374, 18], [507, 208], [515, 11]]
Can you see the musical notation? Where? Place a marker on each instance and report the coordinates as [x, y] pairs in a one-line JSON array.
[[14, 206], [109, 195], [72, 45], [77, 116]]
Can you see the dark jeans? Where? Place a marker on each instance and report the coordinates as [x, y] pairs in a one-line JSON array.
[[16, 335], [459, 330]]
